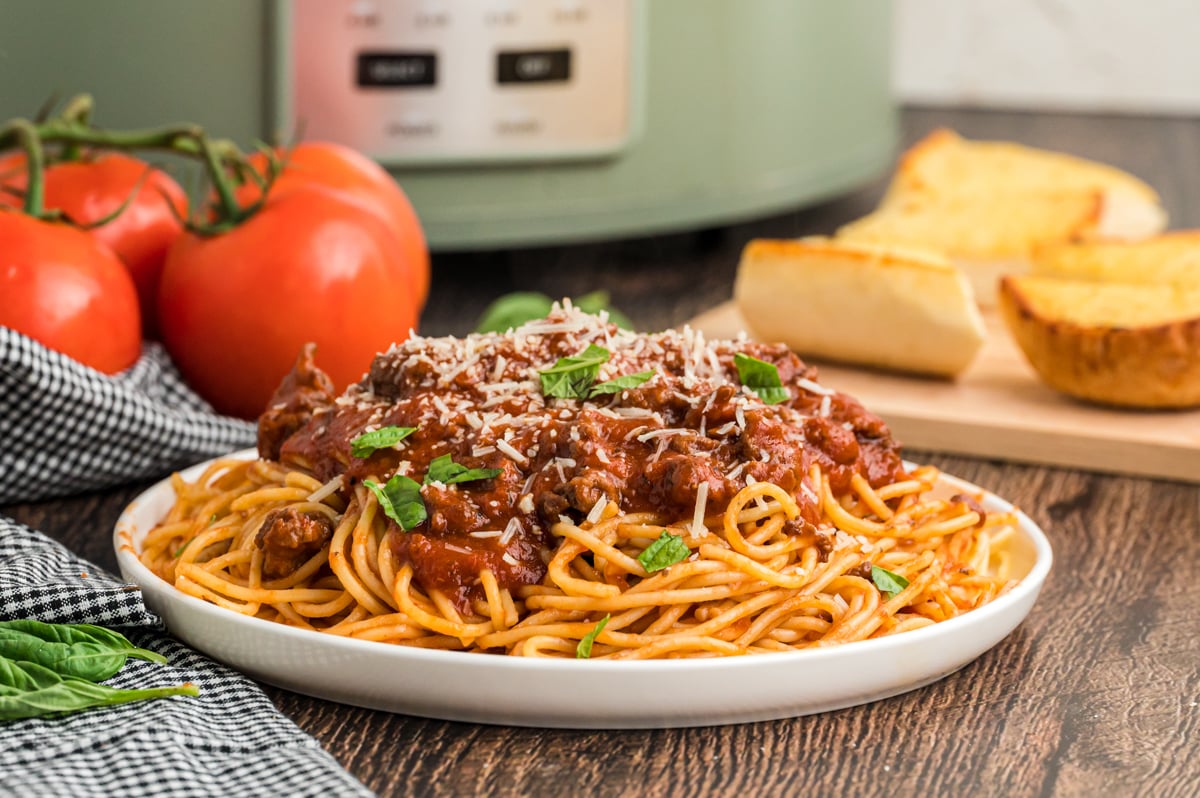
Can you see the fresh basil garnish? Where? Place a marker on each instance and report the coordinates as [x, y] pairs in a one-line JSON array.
[[78, 650], [888, 583], [584, 649], [664, 552], [761, 377], [444, 470], [571, 377], [30, 690], [513, 310], [401, 500], [368, 443], [620, 383], [52, 669]]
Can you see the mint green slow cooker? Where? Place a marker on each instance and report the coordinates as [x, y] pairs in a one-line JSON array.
[[508, 122]]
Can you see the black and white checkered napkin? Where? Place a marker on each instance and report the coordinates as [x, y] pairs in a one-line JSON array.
[[65, 429], [228, 740]]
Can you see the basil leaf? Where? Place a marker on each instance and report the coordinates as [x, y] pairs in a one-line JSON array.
[[29, 690], [513, 310], [620, 383], [401, 500], [889, 584], [571, 377], [761, 377], [444, 470], [664, 552], [368, 443], [80, 650], [584, 649]]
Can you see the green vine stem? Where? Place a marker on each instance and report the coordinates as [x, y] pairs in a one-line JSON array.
[[223, 161], [24, 134]]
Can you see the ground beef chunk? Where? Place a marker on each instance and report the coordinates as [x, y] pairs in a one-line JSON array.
[[969, 501], [582, 492], [303, 391], [289, 538], [862, 571]]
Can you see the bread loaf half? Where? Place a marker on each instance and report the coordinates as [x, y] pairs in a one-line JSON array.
[[988, 205], [944, 163], [1169, 258], [1123, 344], [879, 306], [986, 236]]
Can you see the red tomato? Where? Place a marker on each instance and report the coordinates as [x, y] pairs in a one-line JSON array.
[[90, 189], [62, 288], [347, 170], [310, 266]]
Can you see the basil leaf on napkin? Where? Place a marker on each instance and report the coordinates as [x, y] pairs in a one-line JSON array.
[[77, 650], [29, 690]]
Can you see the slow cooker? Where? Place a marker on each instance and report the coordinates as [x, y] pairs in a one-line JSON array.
[[508, 122]]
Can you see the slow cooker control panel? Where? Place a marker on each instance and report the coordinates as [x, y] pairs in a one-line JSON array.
[[437, 81]]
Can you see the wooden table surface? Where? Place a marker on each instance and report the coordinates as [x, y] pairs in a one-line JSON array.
[[1096, 693]]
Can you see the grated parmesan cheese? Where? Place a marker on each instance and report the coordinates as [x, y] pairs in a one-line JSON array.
[[665, 431], [328, 489], [510, 530], [597, 511], [812, 387], [698, 528], [507, 448]]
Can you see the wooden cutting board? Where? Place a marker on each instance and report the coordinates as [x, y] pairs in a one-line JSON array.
[[999, 409]]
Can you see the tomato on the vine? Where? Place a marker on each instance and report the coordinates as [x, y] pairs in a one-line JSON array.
[[92, 188], [237, 306], [62, 288], [336, 166]]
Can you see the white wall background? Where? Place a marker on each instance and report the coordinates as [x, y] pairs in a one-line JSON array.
[[1129, 56]]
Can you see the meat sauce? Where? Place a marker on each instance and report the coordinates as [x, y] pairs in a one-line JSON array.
[[648, 448]]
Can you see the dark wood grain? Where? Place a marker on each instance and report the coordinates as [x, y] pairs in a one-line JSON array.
[[1095, 694]]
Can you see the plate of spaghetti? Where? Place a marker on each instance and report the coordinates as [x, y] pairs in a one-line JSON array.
[[569, 524]]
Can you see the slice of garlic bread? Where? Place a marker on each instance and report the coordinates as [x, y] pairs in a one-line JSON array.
[[1130, 345], [1169, 258], [988, 205], [887, 307], [946, 164], [986, 235]]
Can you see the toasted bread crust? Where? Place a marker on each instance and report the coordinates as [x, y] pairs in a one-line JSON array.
[[943, 162], [998, 226], [1152, 366], [1172, 257], [885, 307], [991, 205]]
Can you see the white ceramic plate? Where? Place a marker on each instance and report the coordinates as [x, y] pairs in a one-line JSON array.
[[575, 693]]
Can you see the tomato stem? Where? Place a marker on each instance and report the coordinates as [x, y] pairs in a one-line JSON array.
[[71, 131], [25, 135], [232, 212], [78, 110]]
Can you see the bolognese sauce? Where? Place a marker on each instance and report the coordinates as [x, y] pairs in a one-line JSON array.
[[681, 442]]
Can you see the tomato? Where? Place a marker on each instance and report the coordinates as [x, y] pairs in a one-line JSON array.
[[237, 307], [92, 188], [61, 287], [342, 168]]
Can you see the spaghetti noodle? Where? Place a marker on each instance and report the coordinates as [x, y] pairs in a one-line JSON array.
[[557, 526]]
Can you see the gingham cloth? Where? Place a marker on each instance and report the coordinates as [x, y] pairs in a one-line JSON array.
[[229, 740], [65, 428]]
